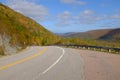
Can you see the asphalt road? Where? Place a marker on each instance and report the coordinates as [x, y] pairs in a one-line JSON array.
[[42, 63]]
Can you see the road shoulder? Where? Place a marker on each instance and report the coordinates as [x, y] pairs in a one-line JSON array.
[[100, 65]]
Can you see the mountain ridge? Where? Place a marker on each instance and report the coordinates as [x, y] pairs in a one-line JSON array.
[[101, 34]]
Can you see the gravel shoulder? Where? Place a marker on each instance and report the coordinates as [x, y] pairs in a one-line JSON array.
[[100, 65]]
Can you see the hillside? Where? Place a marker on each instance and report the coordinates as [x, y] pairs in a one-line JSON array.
[[96, 34], [112, 35], [17, 30]]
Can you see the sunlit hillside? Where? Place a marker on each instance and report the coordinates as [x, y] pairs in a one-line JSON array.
[[22, 29]]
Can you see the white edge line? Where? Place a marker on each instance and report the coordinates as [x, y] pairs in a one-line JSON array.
[[63, 52]]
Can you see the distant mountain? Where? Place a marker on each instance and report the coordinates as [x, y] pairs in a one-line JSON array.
[[96, 34], [112, 35], [65, 34], [17, 30]]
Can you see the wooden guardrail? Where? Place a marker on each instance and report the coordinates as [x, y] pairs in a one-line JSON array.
[[100, 48]]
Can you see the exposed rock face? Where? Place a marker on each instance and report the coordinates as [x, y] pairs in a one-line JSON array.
[[4, 41]]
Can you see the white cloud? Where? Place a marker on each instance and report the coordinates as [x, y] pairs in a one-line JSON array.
[[64, 19], [115, 16], [65, 15], [73, 2], [30, 9], [88, 12], [111, 17], [87, 17]]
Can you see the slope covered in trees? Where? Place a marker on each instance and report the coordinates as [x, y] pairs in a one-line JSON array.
[[23, 30]]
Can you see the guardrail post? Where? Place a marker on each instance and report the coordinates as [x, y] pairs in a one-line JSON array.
[[83, 47], [109, 50], [79, 47], [88, 48], [101, 49]]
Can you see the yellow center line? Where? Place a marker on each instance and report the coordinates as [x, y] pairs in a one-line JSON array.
[[23, 60]]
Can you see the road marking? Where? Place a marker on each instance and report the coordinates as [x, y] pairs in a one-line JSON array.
[[23, 60], [63, 52]]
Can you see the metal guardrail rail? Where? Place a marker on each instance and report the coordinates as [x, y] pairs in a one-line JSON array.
[[100, 48]]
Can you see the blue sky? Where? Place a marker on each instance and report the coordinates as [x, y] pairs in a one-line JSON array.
[[61, 16]]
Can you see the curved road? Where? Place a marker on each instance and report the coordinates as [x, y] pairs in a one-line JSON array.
[[42, 63]]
